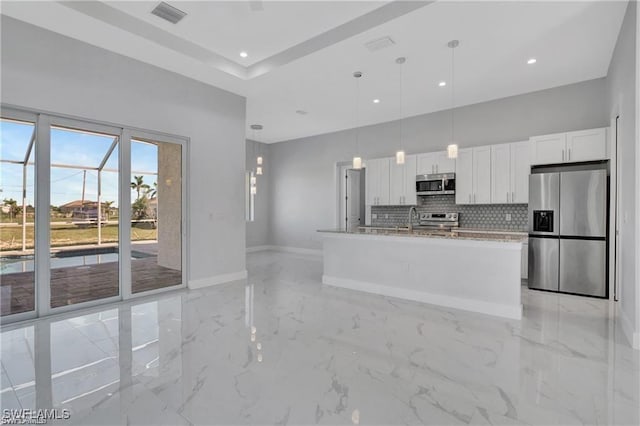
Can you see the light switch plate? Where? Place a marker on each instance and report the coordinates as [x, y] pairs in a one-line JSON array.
[[507, 217]]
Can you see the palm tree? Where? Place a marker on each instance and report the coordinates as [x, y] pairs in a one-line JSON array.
[[153, 190], [107, 205], [13, 207], [138, 185]]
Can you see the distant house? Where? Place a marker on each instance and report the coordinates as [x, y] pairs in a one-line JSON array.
[[87, 210], [77, 206]]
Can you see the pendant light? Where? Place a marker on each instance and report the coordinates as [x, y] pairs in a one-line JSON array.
[[452, 148], [357, 161], [400, 153], [259, 159]]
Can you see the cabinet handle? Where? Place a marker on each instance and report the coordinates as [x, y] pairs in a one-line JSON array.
[[507, 196], [513, 197], [563, 155], [474, 198], [469, 198], [569, 159]]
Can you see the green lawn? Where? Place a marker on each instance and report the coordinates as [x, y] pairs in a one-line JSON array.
[[67, 235]]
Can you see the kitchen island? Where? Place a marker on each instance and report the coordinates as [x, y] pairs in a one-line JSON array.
[[474, 271]]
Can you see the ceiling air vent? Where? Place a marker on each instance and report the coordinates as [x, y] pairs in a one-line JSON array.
[[168, 13], [379, 44]]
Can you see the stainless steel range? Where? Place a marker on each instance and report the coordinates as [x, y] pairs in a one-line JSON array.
[[443, 221]]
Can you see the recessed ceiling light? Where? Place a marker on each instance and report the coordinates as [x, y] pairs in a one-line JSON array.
[[442, 83], [376, 101], [243, 54], [532, 61], [301, 112]]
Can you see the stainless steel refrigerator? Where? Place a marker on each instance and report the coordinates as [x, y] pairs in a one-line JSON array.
[[568, 232]]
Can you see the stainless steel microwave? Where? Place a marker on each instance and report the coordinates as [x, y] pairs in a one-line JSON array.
[[436, 184]]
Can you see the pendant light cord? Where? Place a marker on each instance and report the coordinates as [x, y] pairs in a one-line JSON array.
[[357, 114], [453, 49], [401, 109]]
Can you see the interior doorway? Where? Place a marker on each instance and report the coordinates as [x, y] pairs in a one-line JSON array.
[[352, 197]]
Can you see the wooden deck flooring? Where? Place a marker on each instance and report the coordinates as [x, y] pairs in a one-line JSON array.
[[84, 283]]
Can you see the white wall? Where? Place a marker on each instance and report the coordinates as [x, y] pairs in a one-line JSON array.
[[50, 72], [621, 95], [303, 171], [258, 231]]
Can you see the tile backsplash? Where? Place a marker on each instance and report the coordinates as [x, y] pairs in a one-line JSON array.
[[485, 216]]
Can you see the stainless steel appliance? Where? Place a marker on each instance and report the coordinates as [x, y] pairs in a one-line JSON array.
[[436, 184], [568, 232], [443, 221]]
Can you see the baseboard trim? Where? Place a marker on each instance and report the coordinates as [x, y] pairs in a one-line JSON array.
[[298, 250], [628, 331], [255, 249], [217, 279], [487, 308], [285, 249]]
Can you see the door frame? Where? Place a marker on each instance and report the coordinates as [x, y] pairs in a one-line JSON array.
[[615, 166], [43, 121], [341, 209], [340, 169]]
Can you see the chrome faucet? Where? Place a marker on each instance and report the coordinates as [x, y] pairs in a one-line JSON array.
[[412, 211]]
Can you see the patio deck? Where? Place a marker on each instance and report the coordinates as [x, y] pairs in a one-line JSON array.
[[78, 284]]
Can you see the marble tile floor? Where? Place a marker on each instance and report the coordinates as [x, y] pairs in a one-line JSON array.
[[283, 349]]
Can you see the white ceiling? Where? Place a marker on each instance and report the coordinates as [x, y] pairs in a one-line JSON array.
[[572, 41], [230, 27]]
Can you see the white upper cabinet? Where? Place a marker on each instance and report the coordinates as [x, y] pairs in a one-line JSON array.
[[570, 147], [500, 173], [464, 176], [482, 175], [587, 145], [520, 171], [396, 183], [403, 181], [410, 165], [435, 162], [548, 149], [510, 171], [473, 176], [377, 181]]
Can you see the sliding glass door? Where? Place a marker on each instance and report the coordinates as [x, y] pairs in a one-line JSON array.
[[89, 214], [84, 215], [156, 209], [17, 213]]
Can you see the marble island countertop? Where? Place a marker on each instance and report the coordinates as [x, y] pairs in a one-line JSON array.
[[459, 234]]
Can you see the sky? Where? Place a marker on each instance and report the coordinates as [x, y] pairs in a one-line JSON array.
[[72, 148]]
